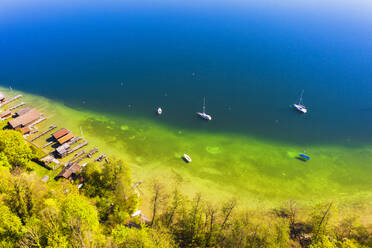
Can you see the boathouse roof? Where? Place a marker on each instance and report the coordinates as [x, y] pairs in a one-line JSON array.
[[25, 119], [60, 133], [23, 111], [66, 172], [65, 138], [24, 130]]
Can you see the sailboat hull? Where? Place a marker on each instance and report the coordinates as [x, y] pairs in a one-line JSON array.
[[300, 108], [204, 116]]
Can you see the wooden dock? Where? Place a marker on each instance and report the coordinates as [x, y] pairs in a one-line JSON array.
[[65, 149], [100, 158], [43, 133], [47, 144], [76, 156], [37, 122], [10, 100], [17, 106], [88, 155], [77, 147]]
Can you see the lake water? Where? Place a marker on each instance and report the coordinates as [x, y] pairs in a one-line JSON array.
[[250, 59]]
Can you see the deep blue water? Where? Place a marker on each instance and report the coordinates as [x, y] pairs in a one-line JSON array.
[[251, 59]]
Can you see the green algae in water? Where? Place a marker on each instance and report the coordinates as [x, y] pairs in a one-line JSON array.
[[224, 165], [213, 149]]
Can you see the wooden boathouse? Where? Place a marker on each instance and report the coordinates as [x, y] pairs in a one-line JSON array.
[[63, 135], [25, 120], [22, 111]]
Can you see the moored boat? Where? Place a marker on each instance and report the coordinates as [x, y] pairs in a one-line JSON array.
[[159, 111], [300, 107], [187, 158], [203, 115], [303, 157]]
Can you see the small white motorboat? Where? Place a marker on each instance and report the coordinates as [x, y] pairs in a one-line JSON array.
[[203, 115], [187, 158], [300, 107], [159, 111]]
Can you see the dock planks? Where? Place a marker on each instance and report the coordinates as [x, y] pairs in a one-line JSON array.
[[10, 100], [43, 133]]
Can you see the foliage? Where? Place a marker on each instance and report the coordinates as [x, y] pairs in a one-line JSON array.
[[10, 225], [15, 148], [140, 237], [35, 214], [110, 185]]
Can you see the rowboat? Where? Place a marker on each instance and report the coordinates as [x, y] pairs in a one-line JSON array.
[[187, 158], [303, 157]]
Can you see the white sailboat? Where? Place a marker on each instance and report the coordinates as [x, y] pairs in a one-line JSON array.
[[300, 106], [203, 115]]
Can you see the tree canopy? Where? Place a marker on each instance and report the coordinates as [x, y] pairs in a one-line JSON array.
[[14, 148]]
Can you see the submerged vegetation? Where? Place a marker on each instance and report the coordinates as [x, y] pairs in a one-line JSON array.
[[101, 214]]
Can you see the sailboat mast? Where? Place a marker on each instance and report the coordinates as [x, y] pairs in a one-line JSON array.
[[300, 102], [204, 105]]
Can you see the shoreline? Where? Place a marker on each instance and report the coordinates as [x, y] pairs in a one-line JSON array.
[[252, 175]]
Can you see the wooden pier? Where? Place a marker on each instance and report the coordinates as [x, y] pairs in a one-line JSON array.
[[10, 100], [47, 144], [100, 158], [88, 155], [43, 133], [37, 122], [65, 149], [77, 147], [76, 156], [17, 106]]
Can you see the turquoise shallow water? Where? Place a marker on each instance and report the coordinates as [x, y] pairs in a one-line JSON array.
[[118, 61], [251, 60], [258, 172]]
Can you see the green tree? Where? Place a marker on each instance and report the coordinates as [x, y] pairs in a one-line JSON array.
[[15, 148], [80, 220], [110, 185], [10, 227], [142, 237], [4, 160]]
